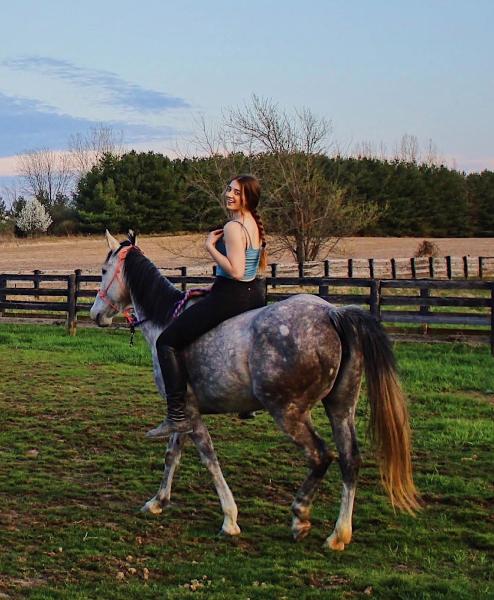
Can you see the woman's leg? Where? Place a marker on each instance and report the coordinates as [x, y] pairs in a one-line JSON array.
[[191, 324], [175, 380], [227, 299]]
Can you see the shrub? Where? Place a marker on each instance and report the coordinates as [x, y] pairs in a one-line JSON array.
[[427, 248]]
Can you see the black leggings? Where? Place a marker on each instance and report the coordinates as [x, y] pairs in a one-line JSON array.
[[227, 298]]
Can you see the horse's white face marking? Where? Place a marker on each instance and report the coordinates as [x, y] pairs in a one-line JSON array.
[[284, 330], [113, 293]]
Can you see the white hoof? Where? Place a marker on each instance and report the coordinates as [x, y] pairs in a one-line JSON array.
[[152, 506], [337, 542], [230, 531]]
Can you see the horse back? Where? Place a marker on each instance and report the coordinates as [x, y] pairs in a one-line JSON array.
[[285, 352]]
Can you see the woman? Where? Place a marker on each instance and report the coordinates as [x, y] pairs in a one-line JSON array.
[[238, 250]]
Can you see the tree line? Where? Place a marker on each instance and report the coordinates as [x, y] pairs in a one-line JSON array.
[[153, 193], [309, 196]]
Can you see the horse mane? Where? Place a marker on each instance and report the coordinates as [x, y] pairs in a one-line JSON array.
[[153, 293]]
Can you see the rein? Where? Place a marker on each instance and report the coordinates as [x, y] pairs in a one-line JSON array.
[[189, 294]]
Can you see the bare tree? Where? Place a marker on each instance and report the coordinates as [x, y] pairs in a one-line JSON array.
[[287, 152], [46, 174], [408, 149], [10, 194], [87, 150]]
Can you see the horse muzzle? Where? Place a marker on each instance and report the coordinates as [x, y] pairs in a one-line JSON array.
[[100, 319]]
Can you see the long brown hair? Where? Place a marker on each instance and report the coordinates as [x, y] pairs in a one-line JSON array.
[[251, 195]]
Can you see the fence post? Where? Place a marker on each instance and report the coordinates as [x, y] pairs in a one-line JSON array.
[[183, 273], [323, 290], [214, 270], [274, 267], [350, 268], [449, 272], [375, 298], [371, 268], [431, 267], [481, 267], [3, 296], [413, 267], [393, 268], [78, 273], [424, 308], [492, 319], [465, 266], [326, 268], [36, 282], [71, 304]]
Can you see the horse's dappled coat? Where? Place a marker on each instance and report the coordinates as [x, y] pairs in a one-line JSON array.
[[284, 358]]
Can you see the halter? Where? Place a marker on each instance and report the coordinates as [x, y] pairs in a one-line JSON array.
[[117, 275]]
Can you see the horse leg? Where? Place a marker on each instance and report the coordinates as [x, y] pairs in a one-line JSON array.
[[298, 426], [340, 407], [172, 459], [204, 445]]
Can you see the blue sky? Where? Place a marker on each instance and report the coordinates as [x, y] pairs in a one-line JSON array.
[[377, 69]]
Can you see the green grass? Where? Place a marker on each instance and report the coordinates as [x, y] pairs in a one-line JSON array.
[[69, 521]]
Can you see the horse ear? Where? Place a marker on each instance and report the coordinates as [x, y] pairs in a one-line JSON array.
[[111, 241], [131, 236]]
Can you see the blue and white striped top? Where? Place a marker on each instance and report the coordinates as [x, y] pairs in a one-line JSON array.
[[252, 258]]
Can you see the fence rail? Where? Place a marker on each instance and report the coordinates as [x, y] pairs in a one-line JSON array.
[[425, 267], [421, 302]]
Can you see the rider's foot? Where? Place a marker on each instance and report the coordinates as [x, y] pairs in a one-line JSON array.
[[251, 414], [167, 427]]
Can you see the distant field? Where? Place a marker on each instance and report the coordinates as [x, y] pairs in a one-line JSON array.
[[87, 253], [75, 467]]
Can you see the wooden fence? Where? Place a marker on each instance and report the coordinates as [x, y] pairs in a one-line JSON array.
[[467, 304], [425, 267]]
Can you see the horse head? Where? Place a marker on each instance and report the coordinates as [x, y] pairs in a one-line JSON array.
[[113, 296]]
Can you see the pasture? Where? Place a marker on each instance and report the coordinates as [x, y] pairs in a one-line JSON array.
[[75, 468]]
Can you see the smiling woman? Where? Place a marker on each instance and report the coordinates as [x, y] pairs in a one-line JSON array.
[[238, 250]]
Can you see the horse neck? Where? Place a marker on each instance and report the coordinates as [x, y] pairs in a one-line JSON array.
[[153, 295]]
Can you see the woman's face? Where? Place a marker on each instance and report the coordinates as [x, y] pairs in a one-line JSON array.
[[233, 196]]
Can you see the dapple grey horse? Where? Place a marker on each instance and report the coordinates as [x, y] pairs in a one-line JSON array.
[[284, 358]]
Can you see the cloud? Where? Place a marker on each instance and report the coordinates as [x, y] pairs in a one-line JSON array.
[[27, 124], [119, 92]]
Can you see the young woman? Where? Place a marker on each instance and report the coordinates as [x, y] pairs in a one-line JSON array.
[[238, 250]]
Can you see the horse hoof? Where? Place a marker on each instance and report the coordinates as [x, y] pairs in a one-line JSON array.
[[153, 507], [333, 543], [300, 530], [230, 533]]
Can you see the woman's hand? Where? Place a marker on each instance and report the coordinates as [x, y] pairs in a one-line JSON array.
[[213, 238]]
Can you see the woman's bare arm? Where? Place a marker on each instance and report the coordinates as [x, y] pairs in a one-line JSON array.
[[234, 261]]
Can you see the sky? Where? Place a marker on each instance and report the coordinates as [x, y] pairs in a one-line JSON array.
[[377, 69]]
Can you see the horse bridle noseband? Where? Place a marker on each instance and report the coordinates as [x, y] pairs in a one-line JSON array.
[[117, 275]]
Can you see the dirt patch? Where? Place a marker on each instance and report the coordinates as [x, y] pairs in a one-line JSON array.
[[87, 253], [485, 397]]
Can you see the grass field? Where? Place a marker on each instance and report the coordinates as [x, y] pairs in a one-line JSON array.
[[75, 468]]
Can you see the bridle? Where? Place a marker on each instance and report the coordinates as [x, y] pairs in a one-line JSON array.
[[117, 276]]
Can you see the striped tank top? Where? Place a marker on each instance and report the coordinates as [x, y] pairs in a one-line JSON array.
[[252, 258]]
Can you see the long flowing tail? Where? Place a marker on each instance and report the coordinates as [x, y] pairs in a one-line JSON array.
[[389, 422]]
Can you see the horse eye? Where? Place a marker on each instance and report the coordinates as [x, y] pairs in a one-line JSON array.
[[103, 271]]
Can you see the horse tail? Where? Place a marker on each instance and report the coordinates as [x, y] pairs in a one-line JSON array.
[[389, 428]]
